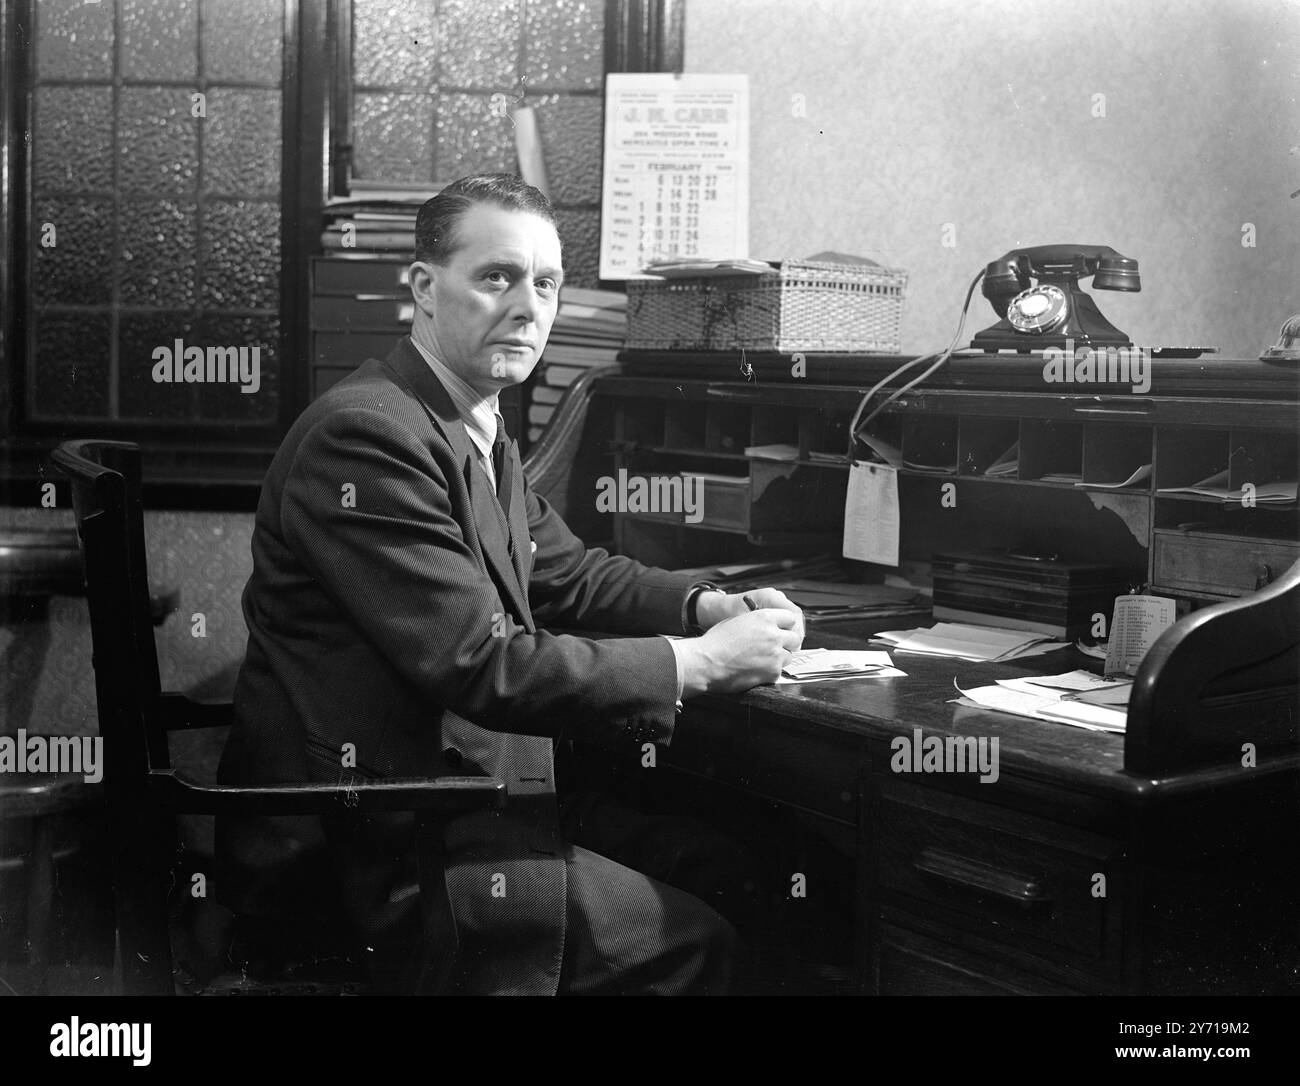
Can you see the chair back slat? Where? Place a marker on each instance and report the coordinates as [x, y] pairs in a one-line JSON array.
[[109, 511]]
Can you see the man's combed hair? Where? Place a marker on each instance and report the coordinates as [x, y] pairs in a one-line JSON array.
[[435, 225]]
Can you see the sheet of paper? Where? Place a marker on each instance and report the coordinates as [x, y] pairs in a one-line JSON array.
[[890, 454], [1212, 486], [812, 661], [1006, 700], [1078, 712], [676, 173], [1006, 464], [883, 673], [1141, 475], [871, 514], [1076, 686], [818, 665], [1134, 627], [1071, 680], [1039, 649]]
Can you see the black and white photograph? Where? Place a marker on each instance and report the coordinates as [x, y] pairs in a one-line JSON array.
[[751, 498]]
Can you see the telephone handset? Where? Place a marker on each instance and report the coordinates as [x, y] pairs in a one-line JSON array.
[[1035, 317]]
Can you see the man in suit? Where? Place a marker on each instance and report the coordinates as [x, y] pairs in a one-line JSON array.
[[403, 573]]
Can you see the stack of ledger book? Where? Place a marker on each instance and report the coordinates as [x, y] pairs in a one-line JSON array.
[[1044, 594], [376, 220], [590, 329]]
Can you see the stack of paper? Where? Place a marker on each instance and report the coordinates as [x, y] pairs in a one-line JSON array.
[[816, 665], [981, 644], [1077, 698], [1280, 491]]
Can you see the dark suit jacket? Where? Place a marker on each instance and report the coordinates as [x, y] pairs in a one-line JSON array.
[[387, 616]]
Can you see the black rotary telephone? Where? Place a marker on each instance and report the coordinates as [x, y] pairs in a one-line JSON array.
[[1056, 309]]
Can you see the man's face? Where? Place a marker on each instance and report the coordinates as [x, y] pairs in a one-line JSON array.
[[487, 312]]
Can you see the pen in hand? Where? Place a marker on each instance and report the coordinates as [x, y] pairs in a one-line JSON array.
[[750, 603]]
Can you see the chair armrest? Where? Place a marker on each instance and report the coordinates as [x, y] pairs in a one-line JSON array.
[[443, 795], [176, 712]]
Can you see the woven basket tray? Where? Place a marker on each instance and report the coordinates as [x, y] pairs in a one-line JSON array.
[[805, 306]]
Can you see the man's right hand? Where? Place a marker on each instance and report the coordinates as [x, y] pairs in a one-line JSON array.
[[741, 652]]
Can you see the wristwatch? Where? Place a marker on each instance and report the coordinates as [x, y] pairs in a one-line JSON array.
[[690, 621]]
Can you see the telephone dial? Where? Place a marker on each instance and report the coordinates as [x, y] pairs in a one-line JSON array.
[[1045, 314]]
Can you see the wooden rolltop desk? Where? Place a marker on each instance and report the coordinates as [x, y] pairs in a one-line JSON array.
[[1163, 860]]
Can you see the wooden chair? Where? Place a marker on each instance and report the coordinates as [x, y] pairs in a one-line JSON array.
[[144, 795]]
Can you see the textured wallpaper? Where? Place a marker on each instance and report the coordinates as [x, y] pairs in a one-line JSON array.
[[1168, 129], [48, 685]]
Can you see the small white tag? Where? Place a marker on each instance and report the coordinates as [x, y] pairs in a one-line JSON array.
[[871, 514]]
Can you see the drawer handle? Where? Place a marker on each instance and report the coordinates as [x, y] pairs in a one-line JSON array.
[[404, 277], [975, 877], [406, 312]]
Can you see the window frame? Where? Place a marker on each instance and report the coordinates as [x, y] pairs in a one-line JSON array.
[[223, 467]]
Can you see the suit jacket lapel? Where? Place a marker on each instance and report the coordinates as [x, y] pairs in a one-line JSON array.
[[489, 520]]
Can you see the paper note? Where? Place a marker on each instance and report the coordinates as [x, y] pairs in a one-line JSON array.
[[817, 665], [1134, 627], [676, 175], [871, 514]]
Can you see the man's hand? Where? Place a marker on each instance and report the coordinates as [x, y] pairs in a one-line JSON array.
[[741, 652], [714, 607]]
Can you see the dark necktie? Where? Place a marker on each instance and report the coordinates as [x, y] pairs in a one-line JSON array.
[[502, 467]]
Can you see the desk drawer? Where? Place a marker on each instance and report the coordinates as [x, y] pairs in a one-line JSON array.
[[1226, 566], [1004, 876], [907, 964], [810, 767]]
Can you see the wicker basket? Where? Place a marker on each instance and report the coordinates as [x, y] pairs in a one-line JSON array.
[[805, 306]]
